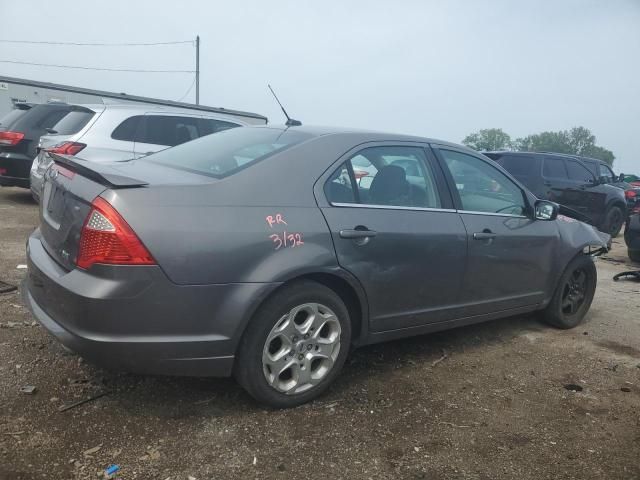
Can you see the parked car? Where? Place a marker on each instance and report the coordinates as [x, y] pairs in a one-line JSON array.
[[20, 132], [254, 252], [632, 231], [115, 132], [566, 180]]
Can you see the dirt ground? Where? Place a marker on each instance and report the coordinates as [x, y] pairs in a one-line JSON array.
[[497, 407]]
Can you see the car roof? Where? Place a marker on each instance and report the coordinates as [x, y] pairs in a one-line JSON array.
[[367, 135], [564, 155]]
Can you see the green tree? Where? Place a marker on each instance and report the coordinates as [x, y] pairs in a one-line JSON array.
[[488, 139], [577, 141]]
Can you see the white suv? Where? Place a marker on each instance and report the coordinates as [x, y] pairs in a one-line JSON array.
[[117, 132]]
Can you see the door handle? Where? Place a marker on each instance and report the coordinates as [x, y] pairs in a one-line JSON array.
[[484, 235], [355, 234]]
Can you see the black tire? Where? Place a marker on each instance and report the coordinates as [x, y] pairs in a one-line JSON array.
[[568, 306], [249, 370], [614, 220], [634, 255]]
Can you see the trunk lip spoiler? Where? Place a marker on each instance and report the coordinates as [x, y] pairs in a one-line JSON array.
[[105, 178]]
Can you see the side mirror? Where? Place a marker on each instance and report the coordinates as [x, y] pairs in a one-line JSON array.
[[621, 177], [545, 210]]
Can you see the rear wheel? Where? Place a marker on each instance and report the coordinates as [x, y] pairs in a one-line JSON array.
[[634, 255], [574, 293], [614, 219], [295, 346]]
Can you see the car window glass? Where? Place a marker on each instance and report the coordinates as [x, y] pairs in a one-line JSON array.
[[50, 119], [606, 173], [578, 172], [482, 187], [339, 188], [168, 130], [126, 131], [228, 151], [395, 176], [73, 122], [592, 166], [518, 165], [11, 117], [211, 125], [554, 168]]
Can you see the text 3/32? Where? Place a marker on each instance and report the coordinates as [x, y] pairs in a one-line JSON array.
[[284, 240]]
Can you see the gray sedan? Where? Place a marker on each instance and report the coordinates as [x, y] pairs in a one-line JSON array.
[[256, 252]]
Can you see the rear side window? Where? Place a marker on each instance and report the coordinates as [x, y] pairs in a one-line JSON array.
[[73, 122], [518, 166], [127, 130], [554, 168], [339, 187], [211, 125], [578, 172], [228, 151]]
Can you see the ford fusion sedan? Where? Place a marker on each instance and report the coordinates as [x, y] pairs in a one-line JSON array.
[[258, 253]]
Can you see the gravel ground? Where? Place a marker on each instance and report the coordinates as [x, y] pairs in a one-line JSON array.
[[482, 402]]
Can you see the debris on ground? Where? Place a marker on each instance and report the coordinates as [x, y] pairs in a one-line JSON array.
[[28, 389], [22, 266], [64, 408], [91, 451], [572, 387], [111, 470], [441, 359], [7, 287]]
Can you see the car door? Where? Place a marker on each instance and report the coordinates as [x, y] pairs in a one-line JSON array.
[[395, 230], [584, 192], [510, 255]]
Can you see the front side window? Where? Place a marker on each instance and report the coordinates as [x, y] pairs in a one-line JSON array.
[[578, 172], [397, 176], [606, 173], [482, 187]]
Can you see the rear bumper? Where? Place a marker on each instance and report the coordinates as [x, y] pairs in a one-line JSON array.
[[135, 319], [14, 170]]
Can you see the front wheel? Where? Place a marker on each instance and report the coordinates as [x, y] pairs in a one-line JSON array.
[[614, 219], [574, 293], [295, 345]]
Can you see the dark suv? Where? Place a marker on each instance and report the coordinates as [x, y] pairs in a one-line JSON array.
[[20, 133], [566, 180]]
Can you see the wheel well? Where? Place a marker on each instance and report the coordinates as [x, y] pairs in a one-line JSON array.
[[346, 292], [342, 288]]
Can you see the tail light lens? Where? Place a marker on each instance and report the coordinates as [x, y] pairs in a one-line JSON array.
[[630, 194], [67, 148], [107, 238], [11, 138]]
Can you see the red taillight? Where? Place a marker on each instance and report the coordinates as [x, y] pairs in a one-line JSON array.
[[630, 194], [11, 138], [67, 148], [107, 238]]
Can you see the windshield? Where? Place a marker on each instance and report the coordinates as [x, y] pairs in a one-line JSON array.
[[224, 153]]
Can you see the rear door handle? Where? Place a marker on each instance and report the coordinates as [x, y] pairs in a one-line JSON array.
[[351, 234], [484, 235]]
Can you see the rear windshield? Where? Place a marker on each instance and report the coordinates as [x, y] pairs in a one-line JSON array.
[[226, 152], [73, 122], [11, 117]]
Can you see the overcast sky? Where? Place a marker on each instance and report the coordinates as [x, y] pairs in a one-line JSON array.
[[435, 68]]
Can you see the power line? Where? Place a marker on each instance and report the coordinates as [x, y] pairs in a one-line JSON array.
[[77, 67], [78, 44], [188, 91]]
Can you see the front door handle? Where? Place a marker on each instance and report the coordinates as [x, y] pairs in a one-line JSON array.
[[484, 235], [355, 234]]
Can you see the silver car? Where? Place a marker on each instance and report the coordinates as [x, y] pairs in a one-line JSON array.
[[116, 132]]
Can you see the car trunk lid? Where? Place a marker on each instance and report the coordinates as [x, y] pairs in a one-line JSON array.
[[71, 185]]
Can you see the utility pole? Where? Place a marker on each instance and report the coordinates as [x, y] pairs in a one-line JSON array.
[[198, 70]]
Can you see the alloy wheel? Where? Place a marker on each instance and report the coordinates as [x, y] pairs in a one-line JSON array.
[[301, 348], [574, 292]]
